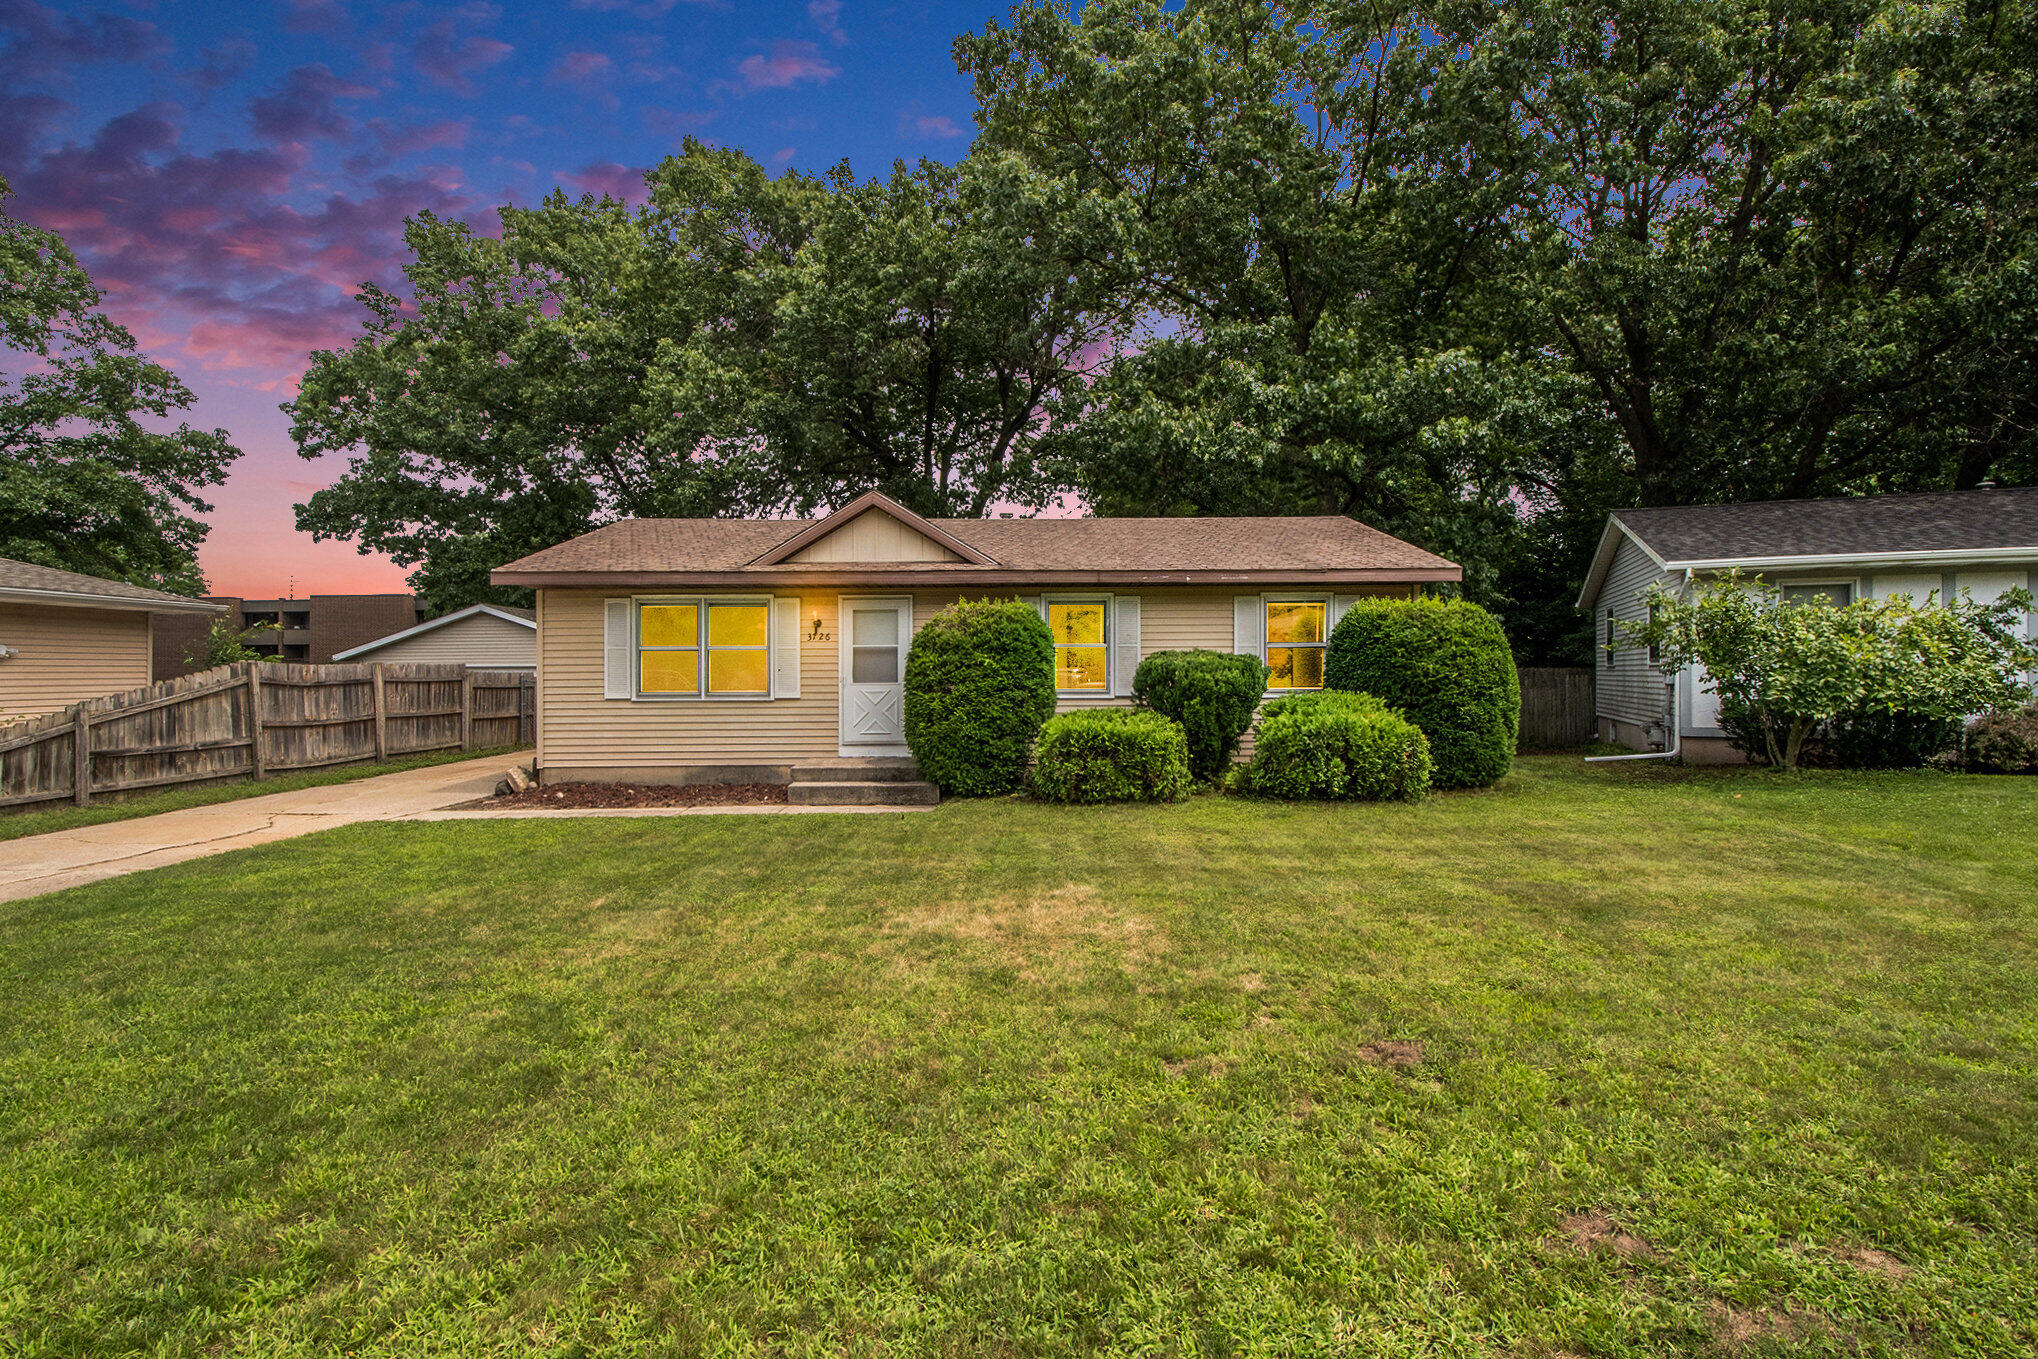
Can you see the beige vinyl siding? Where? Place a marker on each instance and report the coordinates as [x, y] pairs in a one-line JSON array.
[[479, 640], [67, 655], [875, 536], [579, 729], [1629, 689]]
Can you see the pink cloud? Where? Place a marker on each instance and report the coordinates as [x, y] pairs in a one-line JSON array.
[[306, 106], [47, 41], [450, 59], [607, 179], [938, 126], [578, 68], [784, 155], [789, 64], [827, 16]]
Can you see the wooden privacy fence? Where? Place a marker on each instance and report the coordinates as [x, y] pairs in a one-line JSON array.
[[255, 719], [1556, 708]]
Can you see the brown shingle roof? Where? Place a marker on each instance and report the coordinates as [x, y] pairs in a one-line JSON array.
[[1211, 547], [26, 580]]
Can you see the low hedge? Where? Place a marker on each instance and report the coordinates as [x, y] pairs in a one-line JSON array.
[[1111, 755], [1446, 666], [979, 682], [1213, 694], [1340, 747], [2003, 743]]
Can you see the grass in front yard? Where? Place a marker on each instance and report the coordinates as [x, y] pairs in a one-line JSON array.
[[1606, 1061], [14, 825]]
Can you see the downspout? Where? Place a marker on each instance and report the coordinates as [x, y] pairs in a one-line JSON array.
[[1676, 719]]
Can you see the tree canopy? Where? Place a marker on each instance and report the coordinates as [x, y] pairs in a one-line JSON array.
[[85, 484]]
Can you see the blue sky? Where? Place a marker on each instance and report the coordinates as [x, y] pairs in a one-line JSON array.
[[229, 172]]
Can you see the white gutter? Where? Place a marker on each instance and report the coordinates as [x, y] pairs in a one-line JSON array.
[[1948, 556], [1676, 721]]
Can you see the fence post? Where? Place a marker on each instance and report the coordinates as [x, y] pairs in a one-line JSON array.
[[466, 710], [381, 720], [81, 756], [259, 757]]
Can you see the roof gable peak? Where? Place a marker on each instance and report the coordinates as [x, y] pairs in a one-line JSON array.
[[949, 547]]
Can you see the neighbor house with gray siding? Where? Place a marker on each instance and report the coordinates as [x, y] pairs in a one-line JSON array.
[[1980, 543], [480, 637]]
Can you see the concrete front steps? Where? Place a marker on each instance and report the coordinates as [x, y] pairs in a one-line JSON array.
[[860, 783]]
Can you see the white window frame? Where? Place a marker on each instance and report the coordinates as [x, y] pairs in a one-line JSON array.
[[701, 694], [1852, 583], [1298, 597], [1110, 603]]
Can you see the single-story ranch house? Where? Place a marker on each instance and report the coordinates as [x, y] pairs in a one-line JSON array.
[[735, 650], [66, 637], [1981, 542]]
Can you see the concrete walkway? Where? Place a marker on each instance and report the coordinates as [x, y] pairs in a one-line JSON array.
[[36, 864]]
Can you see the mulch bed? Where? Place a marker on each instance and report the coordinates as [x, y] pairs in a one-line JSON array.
[[559, 796]]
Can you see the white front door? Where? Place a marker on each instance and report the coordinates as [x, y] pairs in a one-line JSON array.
[[875, 634]]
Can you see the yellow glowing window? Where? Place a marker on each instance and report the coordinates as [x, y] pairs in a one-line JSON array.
[[739, 661], [1295, 639], [668, 648], [682, 645], [1081, 656]]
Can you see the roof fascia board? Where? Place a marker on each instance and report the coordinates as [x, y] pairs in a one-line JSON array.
[[1602, 559], [470, 611], [1920, 556], [13, 594], [869, 500], [968, 579]]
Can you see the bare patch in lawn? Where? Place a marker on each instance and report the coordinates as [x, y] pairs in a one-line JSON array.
[[1878, 1264], [1736, 1328], [1594, 1229], [1252, 981], [1041, 929], [1399, 1053]]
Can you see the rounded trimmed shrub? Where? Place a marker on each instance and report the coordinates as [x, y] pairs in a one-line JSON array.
[[2004, 743], [1213, 694], [1111, 755], [1339, 747], [979, 682], [1446, 666]]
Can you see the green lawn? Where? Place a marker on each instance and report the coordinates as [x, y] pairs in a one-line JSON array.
[[1729, 1062], [64, 816]]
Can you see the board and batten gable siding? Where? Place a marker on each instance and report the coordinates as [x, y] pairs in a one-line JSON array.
[[875, 536], [67, 655], [1628, 687], [480, 640], [579, 729]]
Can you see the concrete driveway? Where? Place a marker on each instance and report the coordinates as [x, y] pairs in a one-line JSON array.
[[36, 864]]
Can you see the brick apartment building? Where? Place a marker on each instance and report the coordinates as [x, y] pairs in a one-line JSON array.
[[309, 629]]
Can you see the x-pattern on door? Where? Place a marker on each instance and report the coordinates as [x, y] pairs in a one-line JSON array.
[[875, 635]]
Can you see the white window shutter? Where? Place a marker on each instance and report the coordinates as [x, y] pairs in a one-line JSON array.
[[1248, 624], [618, 679], [785, 648], [1035, 603], [1338, 605], [1125, 637]]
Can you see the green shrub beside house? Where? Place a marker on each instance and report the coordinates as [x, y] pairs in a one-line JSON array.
[[1212, 694], [1446, 666], [1337, 747], [1112, 755], [979, 683]]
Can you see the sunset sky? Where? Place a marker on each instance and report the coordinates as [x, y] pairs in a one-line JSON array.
[[229, 172]]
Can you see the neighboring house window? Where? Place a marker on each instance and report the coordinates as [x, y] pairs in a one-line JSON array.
[[1082, 651], [687, 647], [1296, 629], [1838, 593]]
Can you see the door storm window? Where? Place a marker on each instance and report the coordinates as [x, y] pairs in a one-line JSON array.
[[1296, 633], [693, 648], [1082, 650]]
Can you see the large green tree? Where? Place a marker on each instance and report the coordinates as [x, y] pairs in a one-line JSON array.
[[740, 344], [85, 484], [1313, 259]]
